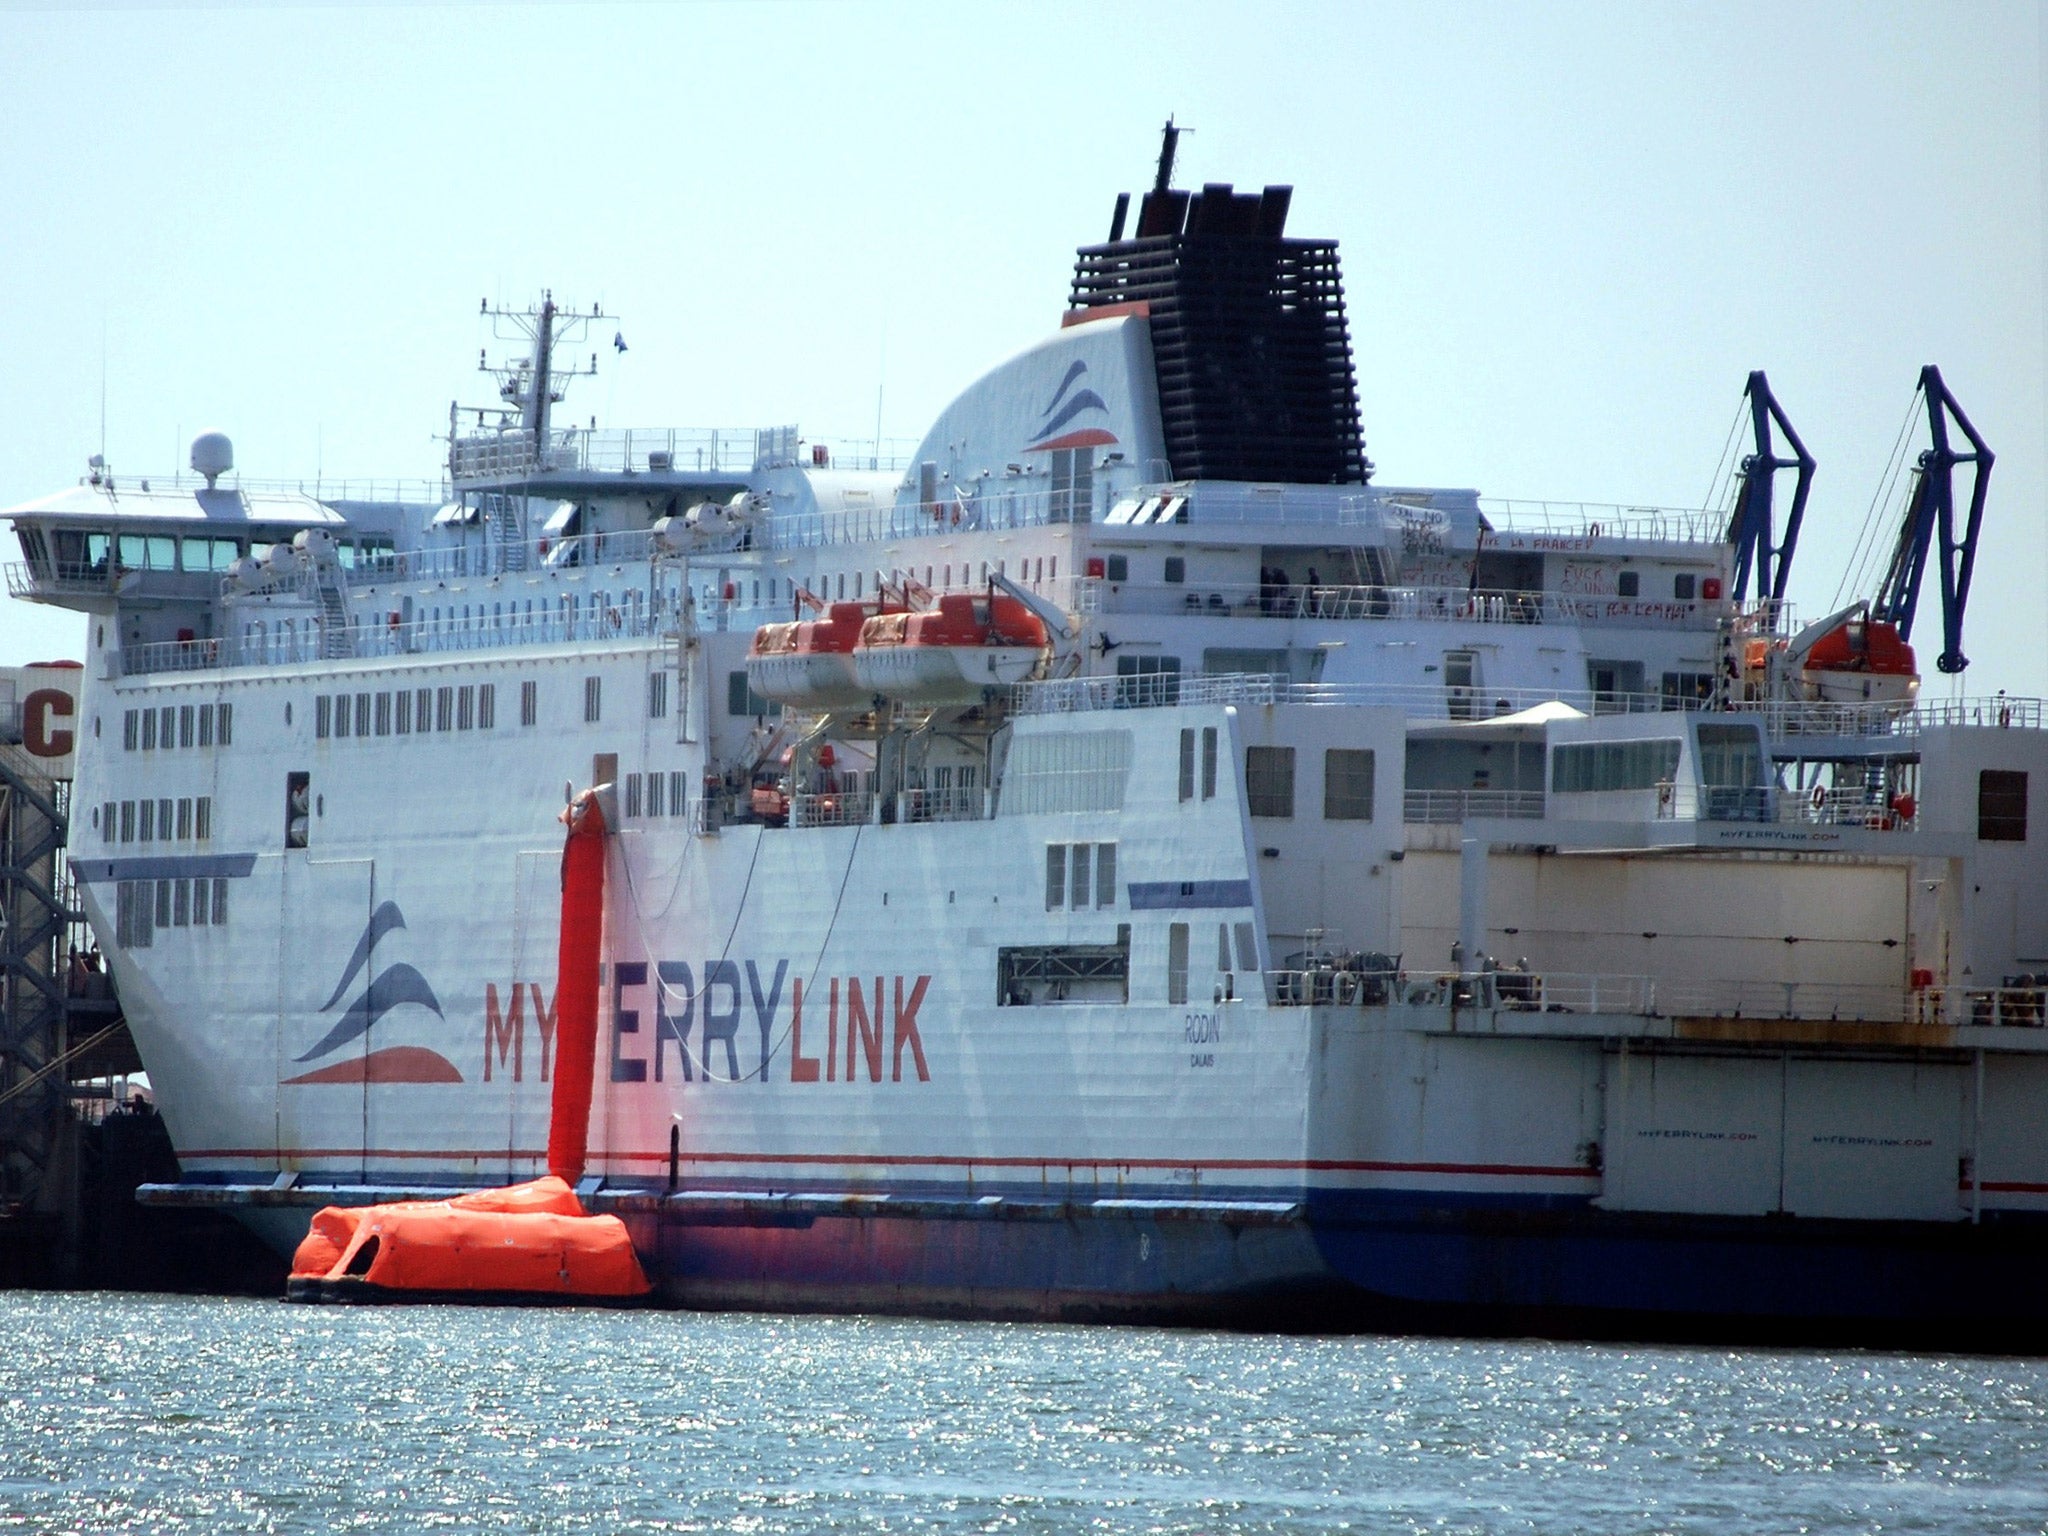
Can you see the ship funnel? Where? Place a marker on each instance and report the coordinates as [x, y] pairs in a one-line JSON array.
[[213, 455]]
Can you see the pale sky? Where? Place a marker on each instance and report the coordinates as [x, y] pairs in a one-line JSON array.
[[1569, 231]]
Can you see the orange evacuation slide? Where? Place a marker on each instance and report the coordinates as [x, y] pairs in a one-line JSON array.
[[527, 1242]]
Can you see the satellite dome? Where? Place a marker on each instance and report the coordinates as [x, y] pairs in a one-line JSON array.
[[212, 455]]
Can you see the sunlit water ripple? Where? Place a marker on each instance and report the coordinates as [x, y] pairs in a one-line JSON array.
[[168, 1414]]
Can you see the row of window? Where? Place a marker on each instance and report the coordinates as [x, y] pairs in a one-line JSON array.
[[655, 794], [469, 707], [1080, 877], [1033, 571], [156, 821], [141, 907], [177, 725], [1347, 782]]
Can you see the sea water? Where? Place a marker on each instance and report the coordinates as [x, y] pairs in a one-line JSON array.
[[123, 1413]]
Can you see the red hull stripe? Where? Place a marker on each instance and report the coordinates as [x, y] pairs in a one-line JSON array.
[[937, 1160], [1085, 437], [394, 1064]]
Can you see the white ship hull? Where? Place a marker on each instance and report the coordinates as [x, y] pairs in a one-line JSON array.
[[1393, 915]]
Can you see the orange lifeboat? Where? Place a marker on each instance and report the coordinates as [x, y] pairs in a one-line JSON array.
[[950, 653], [809, 663], [1861, 661]]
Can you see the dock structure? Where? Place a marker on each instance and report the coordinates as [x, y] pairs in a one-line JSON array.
[[63, 1041]]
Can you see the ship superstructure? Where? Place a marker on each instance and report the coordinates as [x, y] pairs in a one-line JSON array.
[[1120, 860]]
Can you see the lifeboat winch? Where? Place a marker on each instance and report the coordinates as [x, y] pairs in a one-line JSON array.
[[950, 653]]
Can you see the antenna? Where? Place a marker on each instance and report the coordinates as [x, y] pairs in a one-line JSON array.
[[1169, 142]]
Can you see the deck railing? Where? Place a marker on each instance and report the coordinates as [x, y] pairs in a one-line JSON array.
[[1437, 807], [842, 808], [1447, 605]]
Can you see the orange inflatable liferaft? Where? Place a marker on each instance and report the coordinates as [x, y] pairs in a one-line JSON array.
[[528, 1242]]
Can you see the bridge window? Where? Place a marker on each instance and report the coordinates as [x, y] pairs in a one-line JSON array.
[[1152, 680], [1177, 963], [740, 700], [1073, 485], [134, 903], [1590, 767], [1347, 784], [2001, 806], [1269, 781]]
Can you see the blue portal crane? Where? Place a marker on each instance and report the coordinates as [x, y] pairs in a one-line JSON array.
[[1751, 529], [1931, 513]]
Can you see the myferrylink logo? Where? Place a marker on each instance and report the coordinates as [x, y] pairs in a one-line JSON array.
[[725, 1021], [389, 989]]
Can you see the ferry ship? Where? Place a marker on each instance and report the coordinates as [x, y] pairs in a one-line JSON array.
[[1122, 862]]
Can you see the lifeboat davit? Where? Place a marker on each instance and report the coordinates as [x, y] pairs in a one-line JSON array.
[[1861, 661], [951, 652], [809, 663]]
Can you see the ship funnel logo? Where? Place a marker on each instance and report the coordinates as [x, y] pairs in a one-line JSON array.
[[395, 986], [1067, 403]]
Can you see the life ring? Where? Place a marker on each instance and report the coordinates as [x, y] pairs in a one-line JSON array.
[[1820, 797], [1592, 530]]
